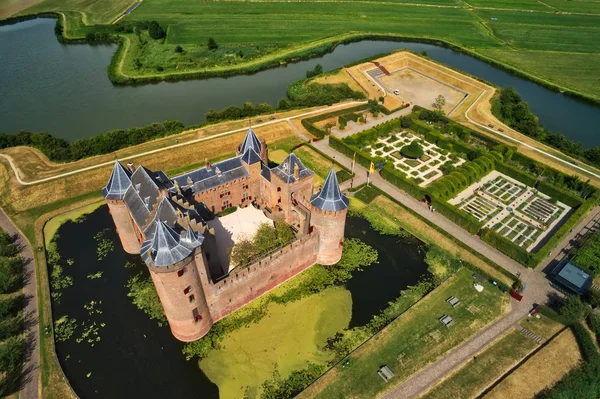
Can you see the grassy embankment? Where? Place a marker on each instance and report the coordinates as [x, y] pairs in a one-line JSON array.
[[413, 340], [30, 207], [542, 370], [535, 39], [494, 361]]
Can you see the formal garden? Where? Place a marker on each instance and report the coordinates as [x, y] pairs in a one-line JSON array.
[[525, 207], [416, 158], [515, 211]]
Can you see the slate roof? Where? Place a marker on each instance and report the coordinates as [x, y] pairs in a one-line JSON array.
[[250, 142], [285, 170], [574, 278], [165, 212], [250, 156], [118, 183], [166, 247], [141, 195], [266, 172], [220, 173], [330, 198]]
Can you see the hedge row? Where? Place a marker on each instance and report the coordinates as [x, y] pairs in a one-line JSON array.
[[461, 218], [435, 137], [516, 174], [308, 123], [465, 175], [561, 195], [506, 246], [366, 137]]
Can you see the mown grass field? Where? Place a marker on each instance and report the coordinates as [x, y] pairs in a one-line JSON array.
[[284, 340], [489, 365], [537, 35], [414, 340], [93, 12]]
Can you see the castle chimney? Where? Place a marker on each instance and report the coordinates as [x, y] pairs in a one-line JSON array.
[[131, 167], [296, 171], [208, 165], [218, 171]]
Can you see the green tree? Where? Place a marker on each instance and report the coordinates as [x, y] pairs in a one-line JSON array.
[[179, 49], [405, 122], [243, 252], [265, 238], [212, 44], [12, 351], [11, 274], [144, 296], [155, 30], [283, 104], [573, 309], [284, 232], [7, 246], [439, 103], [593, 297], [412, 150]]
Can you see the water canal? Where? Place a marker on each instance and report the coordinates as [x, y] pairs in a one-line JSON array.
[[137, 358], [64, 89]]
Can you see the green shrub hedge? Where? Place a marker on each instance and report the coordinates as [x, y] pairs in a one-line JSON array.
[[561, 195], [506, 246], [517, 174], [308, 123]]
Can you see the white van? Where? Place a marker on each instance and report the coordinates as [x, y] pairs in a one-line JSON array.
[[396, 92]]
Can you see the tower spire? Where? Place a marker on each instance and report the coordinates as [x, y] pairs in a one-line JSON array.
[[330, 198]]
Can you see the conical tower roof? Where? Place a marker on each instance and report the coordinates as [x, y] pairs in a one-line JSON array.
[[118, 183], [165, 247], [250, 142], [192, 238], [330, 198]]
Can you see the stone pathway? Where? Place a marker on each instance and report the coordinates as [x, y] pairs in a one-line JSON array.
[[529, 334], [31, 371]]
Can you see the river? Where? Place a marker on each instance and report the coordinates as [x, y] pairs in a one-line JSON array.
[[64, 89]]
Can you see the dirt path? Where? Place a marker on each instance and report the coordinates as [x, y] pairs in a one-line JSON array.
[[31, 372], [27, 183]]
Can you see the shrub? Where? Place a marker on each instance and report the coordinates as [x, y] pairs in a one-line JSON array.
[[155, 30], [412, 150], [11, 274], [212, 44], [317, 70], [179, 49], [573, 309]]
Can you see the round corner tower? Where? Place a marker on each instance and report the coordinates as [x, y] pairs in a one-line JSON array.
[[173, 265], [114, 194], [328, 216]]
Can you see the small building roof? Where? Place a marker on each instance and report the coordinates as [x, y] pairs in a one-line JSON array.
[[250, 156], [118, 183], [574, 278], [285, 170], [330, 198]]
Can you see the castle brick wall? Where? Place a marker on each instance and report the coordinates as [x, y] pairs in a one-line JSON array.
[[232, 192], [126, 228], [331, 227], [238, 289], [183, 299]]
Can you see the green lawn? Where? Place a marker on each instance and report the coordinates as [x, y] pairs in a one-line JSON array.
[[416, 338], [94, 12], [530, 35], [287, 338], [480, 372]]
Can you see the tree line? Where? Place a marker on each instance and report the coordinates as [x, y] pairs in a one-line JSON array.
[[510, 108], [60, 150], [12, 343]]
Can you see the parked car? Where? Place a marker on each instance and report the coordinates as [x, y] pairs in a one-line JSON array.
[[396, 92], [259, 120], [272, 117]]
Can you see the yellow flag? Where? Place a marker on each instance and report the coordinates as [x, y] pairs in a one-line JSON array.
[[372, 168]]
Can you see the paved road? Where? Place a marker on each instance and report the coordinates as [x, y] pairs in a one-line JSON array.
[[538, 290], [31, 374]]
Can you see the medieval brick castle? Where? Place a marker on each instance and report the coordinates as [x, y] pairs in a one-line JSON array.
[[164, 220]]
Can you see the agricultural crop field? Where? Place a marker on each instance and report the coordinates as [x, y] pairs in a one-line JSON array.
[[536, 37]]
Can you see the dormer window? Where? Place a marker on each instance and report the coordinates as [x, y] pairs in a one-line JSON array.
[[189, 180], [138, 186], [147, 201], [218, 171]]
